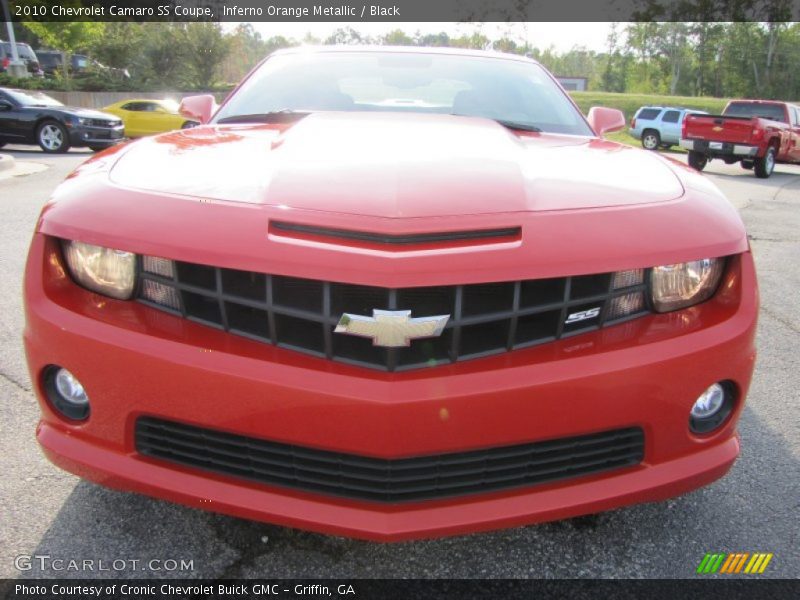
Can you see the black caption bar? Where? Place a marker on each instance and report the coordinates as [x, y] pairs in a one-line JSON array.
[[405, 10], [389, 589]]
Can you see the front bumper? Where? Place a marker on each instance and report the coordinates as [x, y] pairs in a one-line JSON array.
[[720, 149], [100, 137], [136, 361]]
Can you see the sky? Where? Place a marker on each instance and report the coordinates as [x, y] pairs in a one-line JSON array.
[[562, 36]]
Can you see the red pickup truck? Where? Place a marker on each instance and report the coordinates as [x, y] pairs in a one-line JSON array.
[[757, 133]]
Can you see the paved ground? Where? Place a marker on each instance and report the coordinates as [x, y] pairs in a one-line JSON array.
[[755, 508]]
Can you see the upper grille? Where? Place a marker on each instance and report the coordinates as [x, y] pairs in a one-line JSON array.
[[485, 319], [381, 480], [102, 123]]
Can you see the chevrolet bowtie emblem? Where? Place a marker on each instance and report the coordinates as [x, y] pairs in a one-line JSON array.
[[391, 328]]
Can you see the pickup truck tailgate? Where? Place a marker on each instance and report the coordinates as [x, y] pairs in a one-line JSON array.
[[716, 128]]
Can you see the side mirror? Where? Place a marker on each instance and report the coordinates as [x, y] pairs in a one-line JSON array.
[[604, 120], [198, 108]]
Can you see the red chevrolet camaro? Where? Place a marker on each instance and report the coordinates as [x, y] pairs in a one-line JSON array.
[[391, 294]]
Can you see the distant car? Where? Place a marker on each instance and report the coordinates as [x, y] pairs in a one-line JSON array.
[[31, 117], [659, 126], [26, 55], [52, 62], [755, 133], [145, 116]]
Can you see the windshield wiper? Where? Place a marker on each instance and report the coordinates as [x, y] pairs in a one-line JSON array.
[[518, 126], [285, 115]]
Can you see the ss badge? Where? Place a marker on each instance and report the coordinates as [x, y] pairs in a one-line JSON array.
[[583, 315]]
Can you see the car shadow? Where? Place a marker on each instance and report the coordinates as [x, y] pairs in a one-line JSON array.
[[28, 151]]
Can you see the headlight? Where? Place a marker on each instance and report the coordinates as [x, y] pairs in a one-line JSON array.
[[102, 270], [81, 121], [673, 287]]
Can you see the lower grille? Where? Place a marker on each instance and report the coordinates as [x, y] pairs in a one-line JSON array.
[[389, 481]]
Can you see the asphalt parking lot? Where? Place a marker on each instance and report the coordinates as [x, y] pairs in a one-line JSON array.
[[755, 508]]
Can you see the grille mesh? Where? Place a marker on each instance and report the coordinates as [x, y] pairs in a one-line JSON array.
[[389, 481], [485, 319]]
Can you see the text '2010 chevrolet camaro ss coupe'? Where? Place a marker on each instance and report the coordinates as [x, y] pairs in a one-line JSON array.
[[391, 294]]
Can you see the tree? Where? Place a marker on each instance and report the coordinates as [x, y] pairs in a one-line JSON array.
[[397, 37], [345, 35], [433, 39], [206, 49], [120, 44]]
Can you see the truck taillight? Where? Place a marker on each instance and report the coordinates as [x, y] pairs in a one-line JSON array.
[[633, 122], [683, 128]]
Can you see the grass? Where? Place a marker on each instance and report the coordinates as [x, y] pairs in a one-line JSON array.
[[630, 103]]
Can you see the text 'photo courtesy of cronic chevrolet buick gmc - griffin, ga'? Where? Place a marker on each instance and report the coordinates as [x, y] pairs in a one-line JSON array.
[[395, 293]]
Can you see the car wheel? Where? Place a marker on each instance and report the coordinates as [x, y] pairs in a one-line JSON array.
[[765, 165], [697, 160], [52, 137], [747, 164], [189, 124], [650, 139]]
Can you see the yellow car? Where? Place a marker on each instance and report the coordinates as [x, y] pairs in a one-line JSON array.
[[145, 116]]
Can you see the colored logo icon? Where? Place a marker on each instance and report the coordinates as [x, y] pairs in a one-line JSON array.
[[734, 562]]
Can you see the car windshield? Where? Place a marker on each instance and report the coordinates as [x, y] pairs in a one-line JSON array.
[[513, 92], [32, 98], [23, 51], [773, 112], [49, 59]]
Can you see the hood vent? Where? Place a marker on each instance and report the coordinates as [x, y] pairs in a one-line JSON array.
[[504, 234]]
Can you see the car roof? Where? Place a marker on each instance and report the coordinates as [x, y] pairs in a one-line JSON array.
[[404, 50], [679, 108]]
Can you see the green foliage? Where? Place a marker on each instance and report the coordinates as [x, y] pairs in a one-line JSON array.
[[206, 48], [70, 36]]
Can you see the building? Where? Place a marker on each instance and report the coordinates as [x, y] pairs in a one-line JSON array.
[[573, 84]]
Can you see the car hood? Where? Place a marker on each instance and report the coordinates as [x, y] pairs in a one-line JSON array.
[[223, 195], [86, 113], [393, 165]]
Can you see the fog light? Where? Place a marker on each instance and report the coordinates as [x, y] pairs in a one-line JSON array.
[[711, 408], [66, 393], [709, 402]]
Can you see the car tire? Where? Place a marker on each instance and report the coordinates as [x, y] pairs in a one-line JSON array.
[[765, 165], [650, 139], [697, 160], [189, 124], [747, 164], [52, 137]]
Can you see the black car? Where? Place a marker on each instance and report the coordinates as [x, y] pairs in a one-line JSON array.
[[26, 55], [51, 61], [31, 117]]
